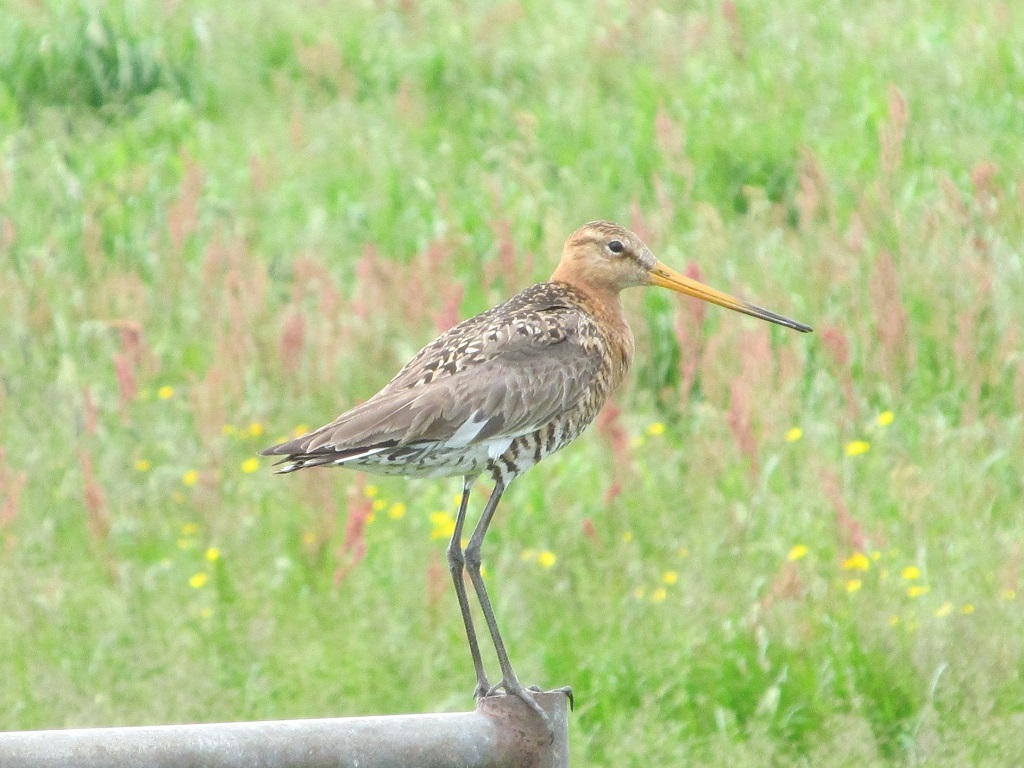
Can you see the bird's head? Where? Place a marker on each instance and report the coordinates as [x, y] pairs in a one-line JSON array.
[[606, 256]]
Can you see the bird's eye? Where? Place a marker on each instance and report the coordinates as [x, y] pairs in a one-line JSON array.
[[616, 246]]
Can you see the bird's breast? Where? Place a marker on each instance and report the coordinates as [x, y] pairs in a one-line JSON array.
[[525, 451]]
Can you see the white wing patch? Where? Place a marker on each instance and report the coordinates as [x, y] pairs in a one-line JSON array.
[[467, 433], [470, 428], [358, 456], [497, 446]]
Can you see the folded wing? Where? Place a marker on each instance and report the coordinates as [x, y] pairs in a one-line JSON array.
[[514, 376]]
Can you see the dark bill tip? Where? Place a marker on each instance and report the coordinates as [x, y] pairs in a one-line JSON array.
[[775, 317]]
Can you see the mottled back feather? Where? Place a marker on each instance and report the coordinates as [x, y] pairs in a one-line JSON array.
[[504, 373]]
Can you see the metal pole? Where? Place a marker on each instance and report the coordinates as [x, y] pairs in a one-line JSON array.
[[502, 733]]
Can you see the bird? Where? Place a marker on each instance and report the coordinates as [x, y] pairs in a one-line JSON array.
[[501, 391]]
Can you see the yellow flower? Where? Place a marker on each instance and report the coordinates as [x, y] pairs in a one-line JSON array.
[[213, 554], [255, 429], [852, 585], [443, 525], [198, 580], [885, 418], [250, 465], [894, 620], [227, 430], [527, 555], [944, 610], [659, 595], [798, 551], [627, 536], [670, 577], [1008, 594], [300, 429], [636, 441], [143, 465], [370, 491], [309, 537], [911, 572], [165, 392], [190, 478], [546, 559], [858, 561], [917, 590], [379, 505], [190, 529], [396, 510], [968, 608], [793, 434], [656, 429], [857, 447]]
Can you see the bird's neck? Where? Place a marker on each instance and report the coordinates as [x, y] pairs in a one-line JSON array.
[[604, 304]]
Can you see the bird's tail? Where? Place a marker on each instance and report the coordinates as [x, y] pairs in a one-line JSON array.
[[323, 458]]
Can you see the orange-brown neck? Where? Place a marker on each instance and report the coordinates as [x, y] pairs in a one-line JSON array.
[[604, 305]]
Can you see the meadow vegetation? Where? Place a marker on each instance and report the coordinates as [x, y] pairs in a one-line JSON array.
[[221, 223]]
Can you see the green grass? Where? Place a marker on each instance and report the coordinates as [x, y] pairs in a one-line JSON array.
[[267, 211]]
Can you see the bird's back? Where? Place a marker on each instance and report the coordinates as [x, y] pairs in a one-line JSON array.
[[496, 393]]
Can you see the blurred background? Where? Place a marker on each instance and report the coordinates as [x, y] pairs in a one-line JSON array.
[[222, 224]]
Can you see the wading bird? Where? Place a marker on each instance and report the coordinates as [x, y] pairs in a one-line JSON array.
[[501, 391]]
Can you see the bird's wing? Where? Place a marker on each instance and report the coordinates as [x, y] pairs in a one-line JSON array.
[[514, 374]]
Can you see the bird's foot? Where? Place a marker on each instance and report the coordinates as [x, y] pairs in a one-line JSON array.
[[483, 688], [494, 690], [565, 689], [514, 688]]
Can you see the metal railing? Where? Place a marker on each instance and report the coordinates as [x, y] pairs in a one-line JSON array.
[[502, 733]]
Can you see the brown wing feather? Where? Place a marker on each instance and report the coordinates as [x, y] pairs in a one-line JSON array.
[[519, 366]]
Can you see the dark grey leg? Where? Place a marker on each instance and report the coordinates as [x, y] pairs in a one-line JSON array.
[[509, 680], [456, 564]]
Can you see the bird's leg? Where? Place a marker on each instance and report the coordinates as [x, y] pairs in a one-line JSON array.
[[456, 564], [509, 681]]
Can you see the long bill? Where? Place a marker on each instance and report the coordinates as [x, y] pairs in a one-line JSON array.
[[667, 277]]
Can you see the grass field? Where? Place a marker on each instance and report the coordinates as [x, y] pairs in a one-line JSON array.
[[222, 222]]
